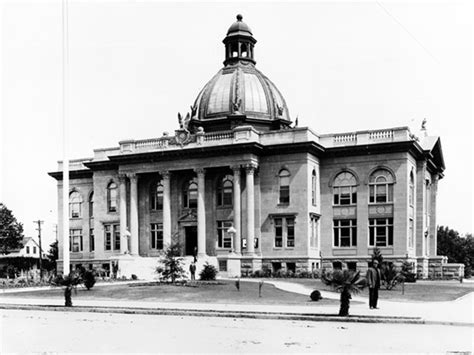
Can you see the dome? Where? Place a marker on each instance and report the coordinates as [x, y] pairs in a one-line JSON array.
[[239, 94], [240, 89], [239, 27]]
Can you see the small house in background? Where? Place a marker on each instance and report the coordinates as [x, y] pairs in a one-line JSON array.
[[21, 260]]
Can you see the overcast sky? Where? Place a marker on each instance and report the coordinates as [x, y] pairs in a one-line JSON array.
[[342, 66]]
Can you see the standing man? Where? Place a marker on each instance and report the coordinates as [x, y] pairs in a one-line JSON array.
[[373, 279], [192, 270]]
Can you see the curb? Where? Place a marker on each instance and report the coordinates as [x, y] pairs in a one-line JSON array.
[[227, 314]]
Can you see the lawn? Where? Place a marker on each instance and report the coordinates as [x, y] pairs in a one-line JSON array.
[[218, 292], [420, 291]]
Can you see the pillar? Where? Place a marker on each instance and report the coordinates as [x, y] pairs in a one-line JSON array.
[[133, 214], [237, 211], [250, 170], [201, 214], [123, 212], [166, 208]]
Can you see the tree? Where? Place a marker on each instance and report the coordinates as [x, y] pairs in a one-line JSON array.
[[347, 282], [173, 263], [51, 257], [11, 231], [458, 249]]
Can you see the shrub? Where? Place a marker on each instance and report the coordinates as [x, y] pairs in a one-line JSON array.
[[208, 272], [173, 263], [89, 279], [258, 273], [390, 275], [315, 295], [134, 277], [407, 273]]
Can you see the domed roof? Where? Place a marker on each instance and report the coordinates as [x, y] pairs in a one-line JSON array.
[[240, 89], [239, 27], [239, 93]]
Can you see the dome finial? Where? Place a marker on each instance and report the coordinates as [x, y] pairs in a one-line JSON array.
[[239, 17]]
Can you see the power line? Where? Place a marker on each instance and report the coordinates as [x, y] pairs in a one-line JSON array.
[[406, 30]]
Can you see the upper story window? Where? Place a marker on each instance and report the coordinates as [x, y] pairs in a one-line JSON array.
[[411, 192], [345, 189], [156, 196], [313, 188], [225, 191], [91, 205], [284, 177], [75, 202], [112, 197], [190, 194], [381, 186]]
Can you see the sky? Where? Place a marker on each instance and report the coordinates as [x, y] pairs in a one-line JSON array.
[[341, 66]]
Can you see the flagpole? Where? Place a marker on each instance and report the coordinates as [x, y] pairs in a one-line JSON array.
[[65, 209]]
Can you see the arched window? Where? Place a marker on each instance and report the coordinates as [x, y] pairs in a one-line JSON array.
[[313, 188], [190, 194], [411, 192], [75, 202], [156, 196], [381, 186], [284, 177], [345, 189], [91, 204], [225, 191], [112, 197]]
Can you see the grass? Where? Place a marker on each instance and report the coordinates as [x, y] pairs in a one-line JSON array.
[[420, 291], [220, 292]]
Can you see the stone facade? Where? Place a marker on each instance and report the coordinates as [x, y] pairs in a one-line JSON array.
[[244, 188]]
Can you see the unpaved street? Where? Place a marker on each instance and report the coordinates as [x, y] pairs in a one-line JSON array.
[[59, 332]]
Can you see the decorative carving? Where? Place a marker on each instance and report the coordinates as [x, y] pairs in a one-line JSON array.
[[279, 110], [200, 171], [165, 174], [236, 106], [193, 111], [236, 168], [296, 121], [250, 168], [122, 178], [182, 136], [423, 124], [184, 121]]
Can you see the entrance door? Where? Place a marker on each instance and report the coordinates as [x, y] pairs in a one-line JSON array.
[[190, 239]]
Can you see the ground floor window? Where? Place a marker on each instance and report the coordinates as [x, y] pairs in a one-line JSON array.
[[284, 230], [337, 265], [112, 236], [380, 232], [156, 231], [411, 233], [91, 240], [224, 240], [345, 233], [352, 265], [314, 232], [222, 265], [75, 240]]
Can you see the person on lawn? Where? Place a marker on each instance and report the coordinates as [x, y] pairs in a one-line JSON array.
[[373, 280]]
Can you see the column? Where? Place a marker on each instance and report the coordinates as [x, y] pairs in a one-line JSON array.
[[166, 208], [133, 214], [201, 211], [123, 213], [237, 224], [250, 170]]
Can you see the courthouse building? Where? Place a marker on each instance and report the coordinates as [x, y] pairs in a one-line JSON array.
[[243, 187]]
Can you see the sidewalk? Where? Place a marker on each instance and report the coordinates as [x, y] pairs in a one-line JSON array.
[[458, 312]]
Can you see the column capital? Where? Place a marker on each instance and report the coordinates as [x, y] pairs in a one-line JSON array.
[[236, 168], [122, 177], [251, 167], [200, 171], [165, 174], [131, 176]]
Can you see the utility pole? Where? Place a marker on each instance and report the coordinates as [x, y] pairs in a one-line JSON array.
[[39, 222]]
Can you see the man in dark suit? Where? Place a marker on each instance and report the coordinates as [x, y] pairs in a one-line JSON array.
[[373, 280]]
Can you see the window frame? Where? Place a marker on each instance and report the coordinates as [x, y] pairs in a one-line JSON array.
[[224, 240], [314, 189], [284, 187], [156, 196], [350, 228], [225, 194], [91, 205], [91, 240], [112, 237], [187, 191], [375, 197], [284, 236], [340, 184], [112, 197], [156, 236], [73, 234], [75, 204], [376, 226]]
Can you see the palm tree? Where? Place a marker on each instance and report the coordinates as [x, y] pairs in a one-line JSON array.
[[346, 282]]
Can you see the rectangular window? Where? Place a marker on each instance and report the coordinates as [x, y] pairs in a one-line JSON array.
[[345, 233], [27, 250], [290, 232], [380, 232], [91, 240], [411, 231], [224, 240], [34, 250], [75, 240], [314, 232], [284, 195], [156, 230], [345, 195], [381, 193], [112, 236], [278, 232]]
